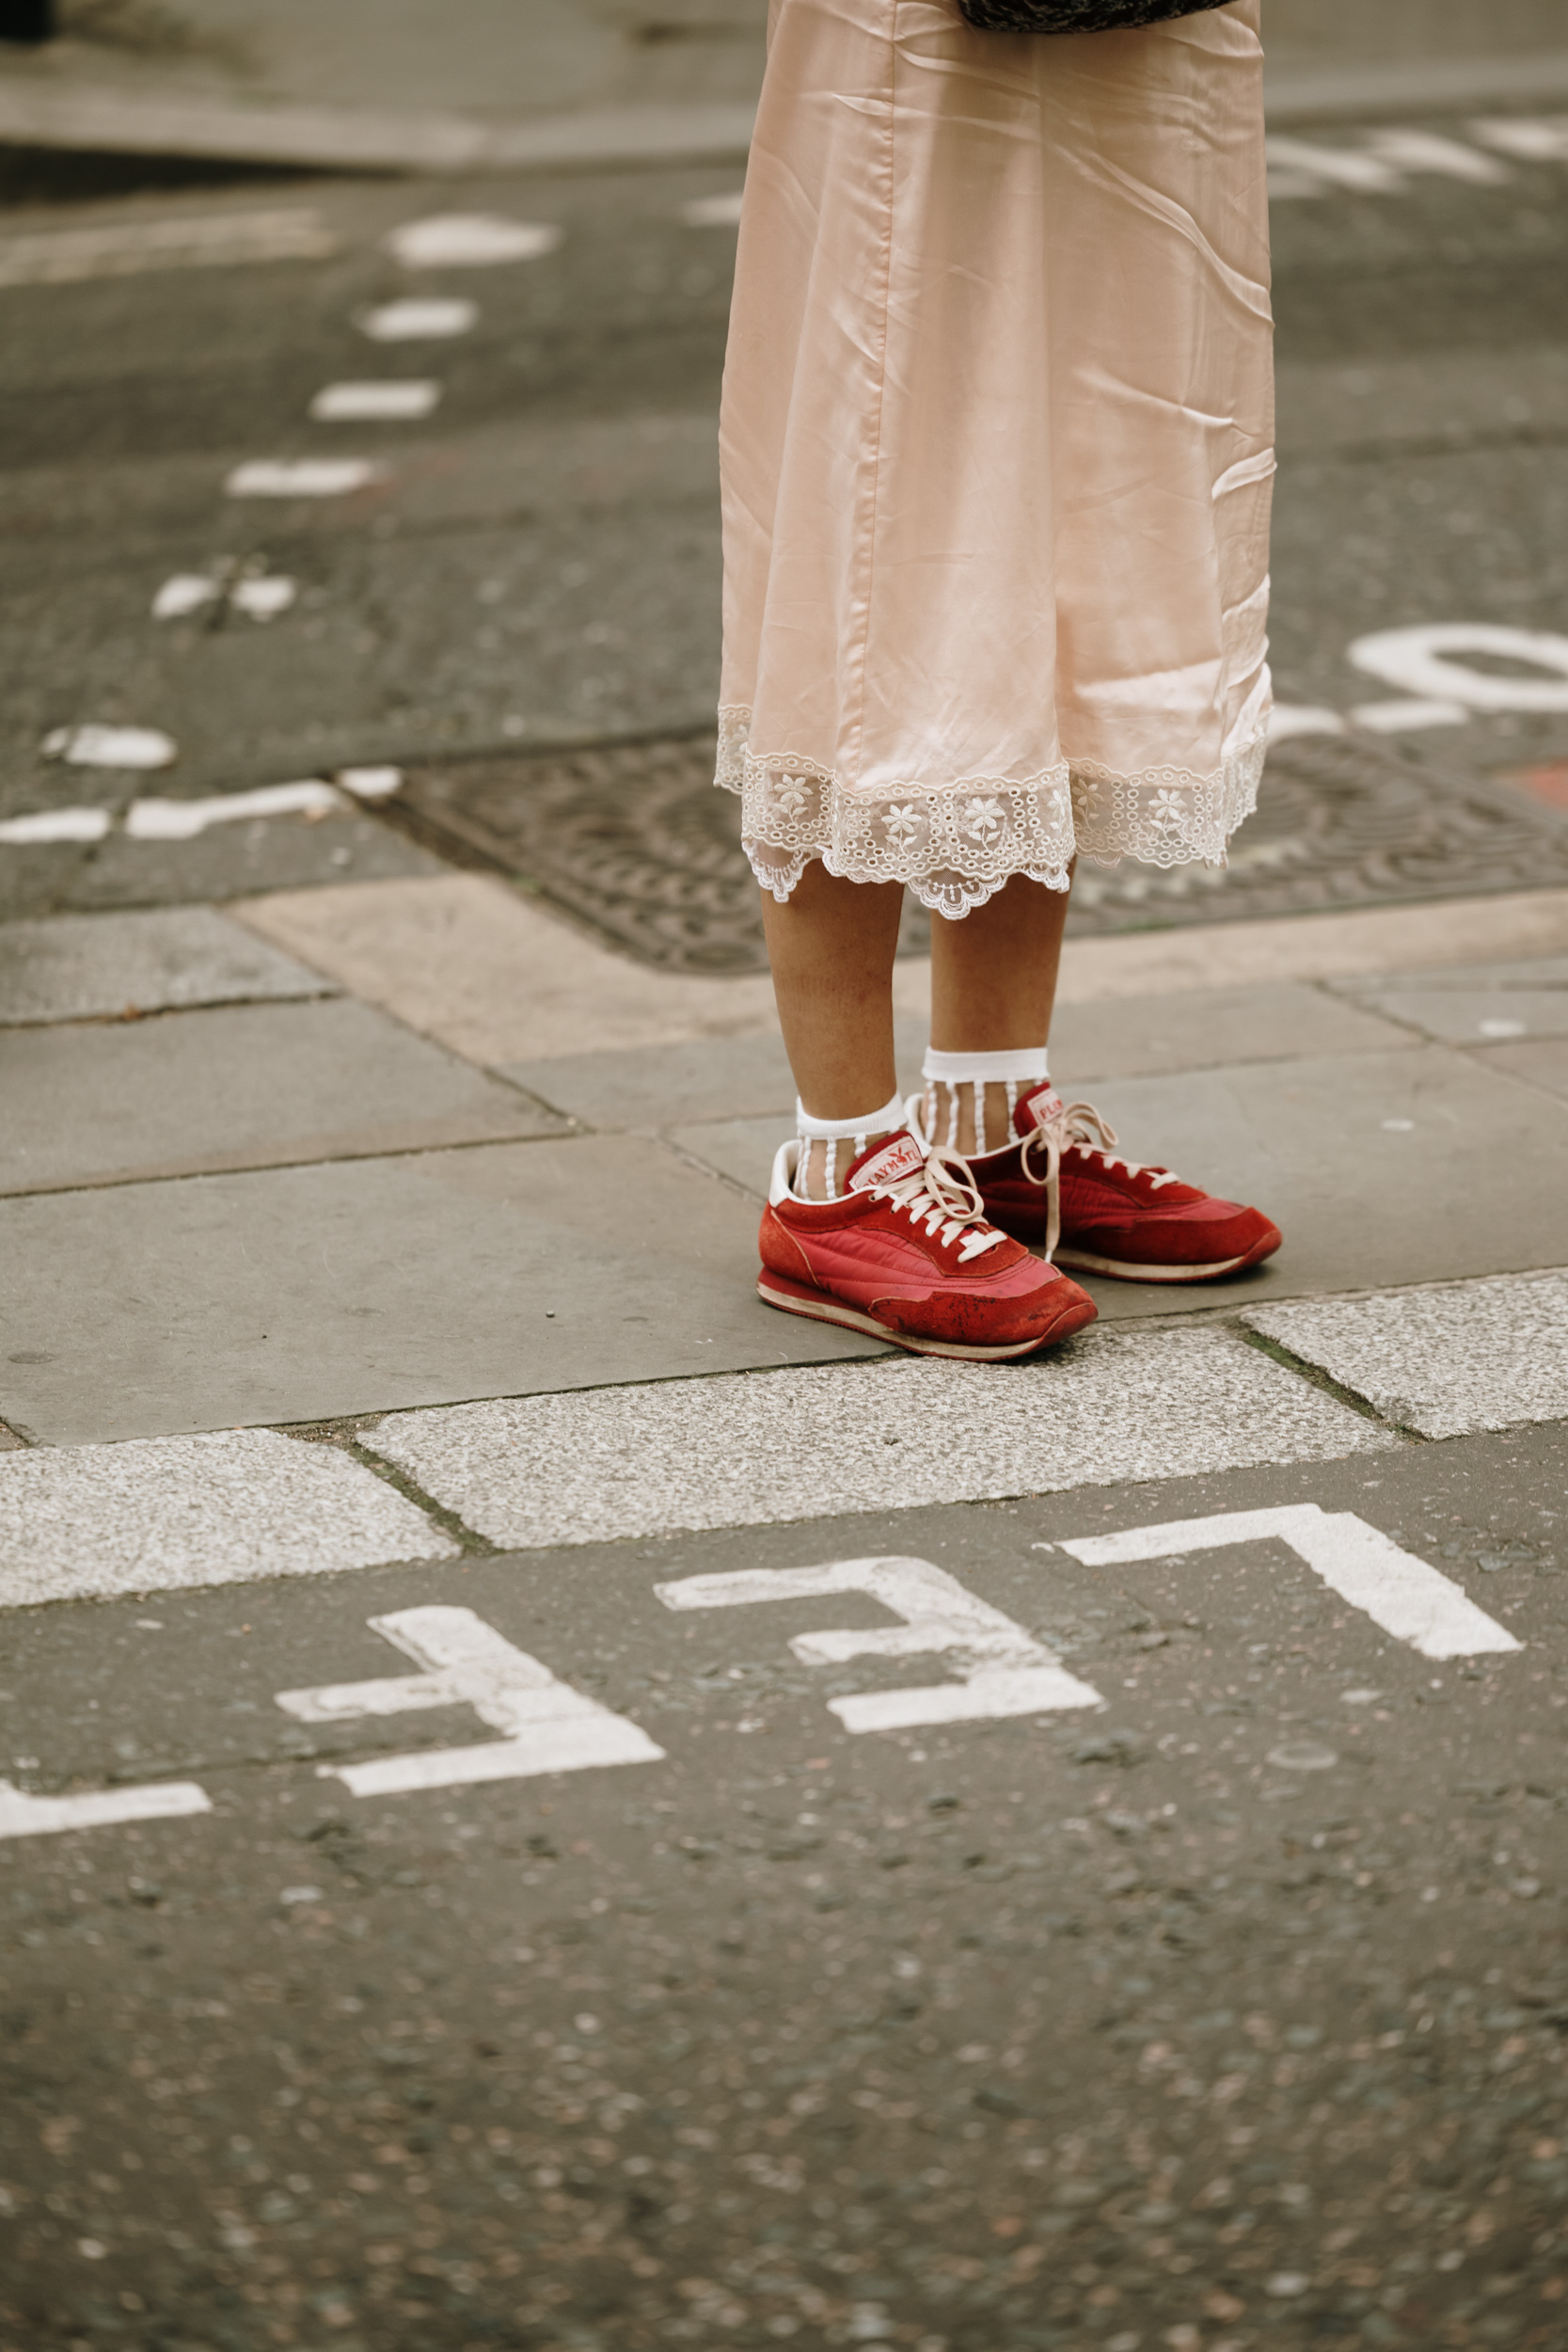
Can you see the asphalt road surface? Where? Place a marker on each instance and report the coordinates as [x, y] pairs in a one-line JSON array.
[[1083, 1937]]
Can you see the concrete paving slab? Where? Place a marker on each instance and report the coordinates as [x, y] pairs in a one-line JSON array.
[[1365, 939], [1370, 1164], [242, 1086], [740, 1148], [1366, 1162], [1533, 972], [661, 1086], [668, 1086], [82, 967], [1478, 1016], [1443, 1361], [301, 1294], [1541, 1062], [739, 1453], [1207, 1028], [223, 1508], [466, 959]]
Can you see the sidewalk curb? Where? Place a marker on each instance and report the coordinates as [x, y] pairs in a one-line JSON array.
[[109, 120], [1428, 84]]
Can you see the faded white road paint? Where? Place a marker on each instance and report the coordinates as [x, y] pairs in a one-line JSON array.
[[181, 821], [1323, 167], [382, 403], [264, 599], [1407, 1599], [1397, 717], [183, 592], [1288, 718], [56, 256], [549, 1727], [21, 1816], [1533, 139], [301, 477], [1004, 1670], [1413, 151], [369, 784], [417, 321], [470, 241], [713, 211], [1427, 662], [111, 747], [259, 596], [57, 824]]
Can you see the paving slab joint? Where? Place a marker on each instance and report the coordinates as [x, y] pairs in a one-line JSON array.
[[348, 1435], [1316, 1377]]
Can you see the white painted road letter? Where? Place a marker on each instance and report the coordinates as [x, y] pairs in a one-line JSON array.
[[549, 1727], [23, 1815], [1406, 1597], [1005, 1670]]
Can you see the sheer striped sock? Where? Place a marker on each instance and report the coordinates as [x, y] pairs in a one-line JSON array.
[[971, 1098]]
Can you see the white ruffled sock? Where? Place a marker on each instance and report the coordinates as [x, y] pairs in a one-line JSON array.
[[971, 1098], [822, 1160]]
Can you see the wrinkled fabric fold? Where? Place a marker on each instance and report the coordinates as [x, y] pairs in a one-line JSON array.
[[996, 449]]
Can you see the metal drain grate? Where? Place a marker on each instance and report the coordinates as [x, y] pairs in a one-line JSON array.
[[633, 840]]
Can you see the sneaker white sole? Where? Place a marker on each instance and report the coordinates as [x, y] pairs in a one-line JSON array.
[[1085, 1261], [824, 1310]]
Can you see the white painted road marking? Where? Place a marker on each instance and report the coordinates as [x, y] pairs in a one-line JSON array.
[[1005, 1670], [56, 256], [111, 747], [369, 783], [1407, 1599], [1533, 139], [713, 211], [260, 596], [301, 477], [415, 321], [1288, 718], [57, 824], [181, 821], [21, 1816], [383, 403], [549, 1727], [1422, 661], [263, 599], [1397, 718], [470, 241]]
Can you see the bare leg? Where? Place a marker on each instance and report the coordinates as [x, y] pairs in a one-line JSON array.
[[831, 947], [994, 986]]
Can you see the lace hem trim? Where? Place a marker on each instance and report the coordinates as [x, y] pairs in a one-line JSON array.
[[955, 845]]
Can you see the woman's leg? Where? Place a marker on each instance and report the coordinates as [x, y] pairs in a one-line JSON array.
[[994, 984], [831, 947]]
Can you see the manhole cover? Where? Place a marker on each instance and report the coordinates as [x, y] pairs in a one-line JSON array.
[[633, 839]]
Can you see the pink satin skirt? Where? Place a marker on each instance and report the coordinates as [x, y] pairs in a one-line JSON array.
[[996, 449]]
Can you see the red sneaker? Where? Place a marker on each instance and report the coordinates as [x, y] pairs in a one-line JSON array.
[[906, 1253], [1100, 1214]]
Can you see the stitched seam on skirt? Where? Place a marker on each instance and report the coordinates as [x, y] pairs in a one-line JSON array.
[[858, 736]]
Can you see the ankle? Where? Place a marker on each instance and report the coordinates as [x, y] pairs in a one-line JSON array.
[[970, 1098], [831, 1147]]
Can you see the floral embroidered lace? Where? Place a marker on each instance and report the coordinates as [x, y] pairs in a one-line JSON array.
[[956, 845]]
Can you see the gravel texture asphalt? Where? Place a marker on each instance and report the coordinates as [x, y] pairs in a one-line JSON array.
[[1231, 2013]]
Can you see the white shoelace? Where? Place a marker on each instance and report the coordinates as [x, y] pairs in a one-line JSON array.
[[945, 1200], [1081, 1124]]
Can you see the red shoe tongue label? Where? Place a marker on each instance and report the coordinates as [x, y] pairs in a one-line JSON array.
[[903, 1156], [1037, 1108]]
